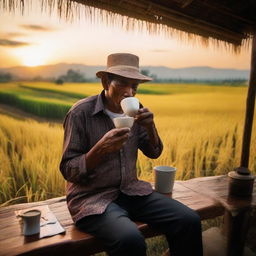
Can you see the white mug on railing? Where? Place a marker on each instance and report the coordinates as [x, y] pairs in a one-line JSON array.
[[164, 178]]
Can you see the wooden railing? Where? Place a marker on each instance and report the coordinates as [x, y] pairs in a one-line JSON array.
[[208, 196]]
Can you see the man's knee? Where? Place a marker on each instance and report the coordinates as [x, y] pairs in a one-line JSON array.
[[130, 242], [191, 219]]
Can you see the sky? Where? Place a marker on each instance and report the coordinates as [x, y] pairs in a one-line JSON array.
[[37, 38]]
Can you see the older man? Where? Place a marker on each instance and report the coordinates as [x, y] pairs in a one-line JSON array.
[[104, 194]]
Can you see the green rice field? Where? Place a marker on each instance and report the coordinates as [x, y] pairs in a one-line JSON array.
[[200, 125]]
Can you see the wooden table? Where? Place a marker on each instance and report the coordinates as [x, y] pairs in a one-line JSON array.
[[208, 196], [238, 210]]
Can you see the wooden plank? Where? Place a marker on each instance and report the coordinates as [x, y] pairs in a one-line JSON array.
[[205, 206], [184, 3], [216, 187], [76, 242]]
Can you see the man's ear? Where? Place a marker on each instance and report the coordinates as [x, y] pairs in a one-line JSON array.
[[105, 82]]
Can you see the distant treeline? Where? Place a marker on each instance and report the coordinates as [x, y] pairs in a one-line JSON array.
[[5, 77], [230, 82], [73, 76]]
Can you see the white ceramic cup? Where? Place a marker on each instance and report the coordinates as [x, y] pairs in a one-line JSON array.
[[31, 222], [123, 121], [130, 106], [164, 178]]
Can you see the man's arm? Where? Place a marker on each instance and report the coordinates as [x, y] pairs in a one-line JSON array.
[[77, 164], [73, 164], [112, 141], [150, 142]]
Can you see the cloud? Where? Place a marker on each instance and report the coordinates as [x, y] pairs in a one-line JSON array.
[[37, 27], [159, 50], [11, 35], [12, 43], [14, 34]]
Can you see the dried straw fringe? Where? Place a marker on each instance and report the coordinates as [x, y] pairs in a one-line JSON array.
[[71, 11]]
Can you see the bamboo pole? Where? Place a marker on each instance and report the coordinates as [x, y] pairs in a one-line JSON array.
[[241, 180], [250, 103]]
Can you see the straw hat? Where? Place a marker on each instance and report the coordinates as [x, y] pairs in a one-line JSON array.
[[125, 65]]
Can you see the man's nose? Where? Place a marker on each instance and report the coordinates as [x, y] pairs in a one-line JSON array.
[[129, 92]]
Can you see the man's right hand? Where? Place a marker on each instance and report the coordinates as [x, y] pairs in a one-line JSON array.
[[113, 140]]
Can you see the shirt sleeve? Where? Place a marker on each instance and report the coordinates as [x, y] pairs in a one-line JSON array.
[[73, 164], [146, 147]]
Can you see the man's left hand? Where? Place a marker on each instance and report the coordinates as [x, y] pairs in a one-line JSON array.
[[144, 117]]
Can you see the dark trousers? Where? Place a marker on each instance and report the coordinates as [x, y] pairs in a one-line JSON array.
[[115, 227]]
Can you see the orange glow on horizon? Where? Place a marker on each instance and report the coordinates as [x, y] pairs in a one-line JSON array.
[[34, 55], [82, 42], [32, 62]]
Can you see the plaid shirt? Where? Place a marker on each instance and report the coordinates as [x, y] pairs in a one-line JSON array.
[[90, 192]]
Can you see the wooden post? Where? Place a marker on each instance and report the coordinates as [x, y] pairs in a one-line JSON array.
[[241, 181], [236, 228], [249, 112]]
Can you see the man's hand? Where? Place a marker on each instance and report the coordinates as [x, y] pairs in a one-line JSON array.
[[144, 117], [113, 140]]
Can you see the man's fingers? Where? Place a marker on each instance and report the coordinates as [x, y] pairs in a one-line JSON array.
[[142, 110], [123, 137], [119, 142], [144, 116], [120, 138], [121, 131]]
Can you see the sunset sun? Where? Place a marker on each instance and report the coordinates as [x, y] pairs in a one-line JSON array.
[[32, 61], [32, 56]]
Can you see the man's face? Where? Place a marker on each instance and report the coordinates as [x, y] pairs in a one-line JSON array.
[[118, 89]]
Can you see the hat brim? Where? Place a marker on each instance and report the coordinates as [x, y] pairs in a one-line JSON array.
[[126, 74]]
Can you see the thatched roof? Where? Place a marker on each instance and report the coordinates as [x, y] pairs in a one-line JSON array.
[[230, 21]]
